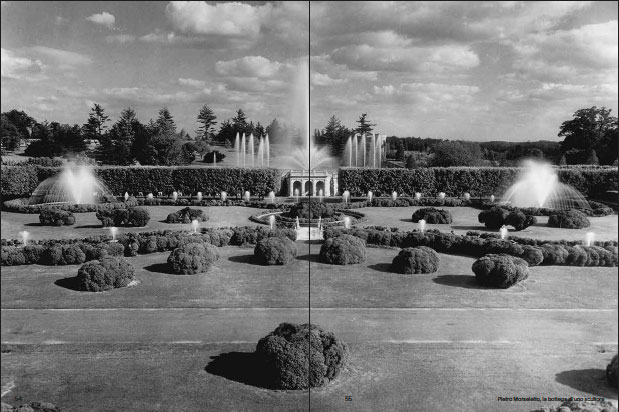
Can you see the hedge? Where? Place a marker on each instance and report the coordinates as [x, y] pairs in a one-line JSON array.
[[455, 181], [477, 246], [55, 217], [20, 181], [75, 251]]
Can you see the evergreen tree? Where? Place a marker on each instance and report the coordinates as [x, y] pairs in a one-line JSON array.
[[206, 118], [165, 122], [364, 125], [122, 138], [240, 122], [95, 126]]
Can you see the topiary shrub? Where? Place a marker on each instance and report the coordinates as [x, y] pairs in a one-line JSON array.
[[316, 209], [105, 274], [187, 215], [570, 219], [519, 220], [63, 255], [137, 216], [432, 215], [420, 259], [12, 256], [493, 218], [532, 255], [192, 258], [275, 251], [55, 217], [612, 372], [343, 250], [500, 271], [300, 356]]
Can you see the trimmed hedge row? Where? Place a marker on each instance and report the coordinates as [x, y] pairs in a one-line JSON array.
[[569, 219], [54, 217], [478, 181], [77, 251], [477, 246], [597, 209], [21, 206], [137, 216], [20, 181], [497, 217]]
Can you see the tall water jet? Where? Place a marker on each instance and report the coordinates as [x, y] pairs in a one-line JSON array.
[[24, 237], [261, 151], [503, 232], [320, 195], [539, 186], [246, 196], [237, 146], [394, 195], [356, 150], [174, 195], [492, 199], [296, 195], [272, 196], [374, 150], [267, 148], [243, 149], [589, 238], [346, 196], [223, 196], [251, 148], [272, 221], [422, 225], [363, 145], [349, 146], [199, 196], [370, 194], [126, 196], [113, 232]]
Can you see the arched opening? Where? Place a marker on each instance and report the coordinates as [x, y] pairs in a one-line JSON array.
[[308, 188], [320, 185], [296, 188]]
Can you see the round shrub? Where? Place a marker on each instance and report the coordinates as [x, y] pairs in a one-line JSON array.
[[55, 217], [139, 216], [432, 215], [532, 255], [63, 255], [519, 220], [275, 251], [571, 219], [612, 372], [187, 215], [500, 271], [554, 254], [342, 250], [493, 218], [284, 355], [420, 259], [12, 256], [193, 258], [105, 274], [316, 209]]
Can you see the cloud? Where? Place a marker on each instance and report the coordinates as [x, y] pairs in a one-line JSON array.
[[61, 58], [249, 66], [199, 84], [138, 95], [229, 19], [120, 38], [104, 19], [427, 93], [320, 79], [15, 67]]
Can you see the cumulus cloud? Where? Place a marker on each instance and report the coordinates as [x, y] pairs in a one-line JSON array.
[[428, 93], [199, 84], [320, 79], [120, 38], [104, 19], [231, 19], [16, 67], [61, 58]]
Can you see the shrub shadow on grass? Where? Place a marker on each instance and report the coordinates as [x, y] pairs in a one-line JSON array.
[[309, 258], [90, 227], [475, 228], [462, 281], [591, 381], [35, 224], [159, 268], [381, 267], [242, 367], [249, 259], [68, 283]]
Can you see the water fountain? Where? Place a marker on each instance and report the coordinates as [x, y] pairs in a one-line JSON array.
[[194, 225], [503, 232], [298, 225], [24, 237], [589, 238], [296, 195], [467, 196], [272, 196], [199, 196], [422, 225], [113, 232], [394, 195], [223, 196], [346, 222], [417, 196], [346, 196], [150, 196], [370, 196], [492, 199], [441, 195], [272, 221], [174, 195], [539, 186], [359, 154], [126, 196], [246, 196], [246, 154], [320, 195], [75, 185]]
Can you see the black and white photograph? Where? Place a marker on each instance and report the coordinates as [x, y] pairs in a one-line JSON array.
[[309, 206]]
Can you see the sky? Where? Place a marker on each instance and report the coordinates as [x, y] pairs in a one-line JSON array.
[[451, 70]]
